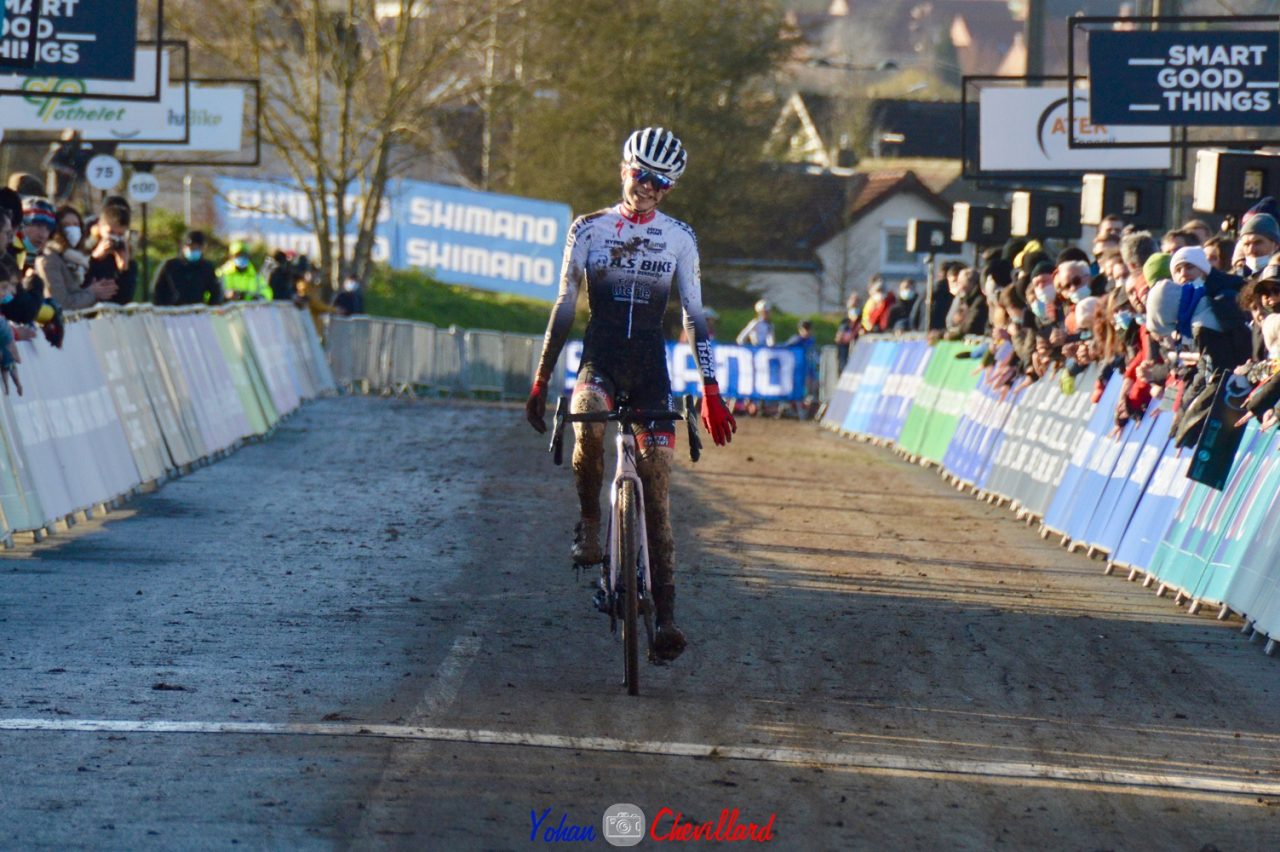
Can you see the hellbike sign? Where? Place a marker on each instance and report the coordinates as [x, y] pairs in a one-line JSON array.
[[1222, 78]]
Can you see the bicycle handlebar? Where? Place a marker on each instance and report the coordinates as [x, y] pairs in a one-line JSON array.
[[623, 416]]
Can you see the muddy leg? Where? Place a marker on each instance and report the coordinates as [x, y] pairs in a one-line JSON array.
[[588, 474], [654, 467]]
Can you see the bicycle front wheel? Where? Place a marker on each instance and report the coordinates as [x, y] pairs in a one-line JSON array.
[[628, 506]]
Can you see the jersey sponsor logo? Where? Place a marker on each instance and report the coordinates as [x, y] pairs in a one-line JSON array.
[[657, 266], [653, 232], [626, 292]]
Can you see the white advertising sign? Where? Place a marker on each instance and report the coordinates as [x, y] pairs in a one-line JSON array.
[[217, 121], [51, 103], [1026, 130]]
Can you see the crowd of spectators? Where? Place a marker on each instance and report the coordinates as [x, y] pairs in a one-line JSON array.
[[58, 258], [1172, 313]]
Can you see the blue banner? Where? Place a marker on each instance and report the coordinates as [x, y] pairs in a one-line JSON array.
[[77, 40], [1220, 78], [767, 374], [460, 236]]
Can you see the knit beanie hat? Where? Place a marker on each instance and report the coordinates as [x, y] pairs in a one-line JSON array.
[[1264, 225], [1193, 255], [38, 211], [1156, 268]]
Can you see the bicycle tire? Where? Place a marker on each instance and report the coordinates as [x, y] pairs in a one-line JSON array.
[[628, 505]]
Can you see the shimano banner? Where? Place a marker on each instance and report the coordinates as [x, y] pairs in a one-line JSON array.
[[460, 236], [744, 372]]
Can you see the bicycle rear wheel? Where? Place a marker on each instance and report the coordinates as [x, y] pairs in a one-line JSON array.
[[628, 505]]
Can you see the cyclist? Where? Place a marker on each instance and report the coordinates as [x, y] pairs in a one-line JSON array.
[[629, 256]]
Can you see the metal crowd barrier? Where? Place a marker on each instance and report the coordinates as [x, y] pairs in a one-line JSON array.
[[139, 394], [1050, 454], [387, 356]]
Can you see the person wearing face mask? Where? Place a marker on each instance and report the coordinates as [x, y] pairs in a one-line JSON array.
[[1259, 240], [1042, 295], [188, 279], [59, 275], [240, 279], [112, 255], [351, 300], [905, 313], [969, 312]]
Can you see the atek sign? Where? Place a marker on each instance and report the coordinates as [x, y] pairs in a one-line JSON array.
[[1029, 130], [1223, 78]]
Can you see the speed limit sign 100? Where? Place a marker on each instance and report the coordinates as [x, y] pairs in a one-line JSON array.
[[143, 187], [104, 172]]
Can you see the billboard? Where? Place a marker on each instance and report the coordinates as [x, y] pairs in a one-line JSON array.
[[60, 103], [216, 116], [1029, 130], [72, 38], [461, 236], [1219, 78]]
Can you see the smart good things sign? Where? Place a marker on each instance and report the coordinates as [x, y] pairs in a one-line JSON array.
[[1224, 78]]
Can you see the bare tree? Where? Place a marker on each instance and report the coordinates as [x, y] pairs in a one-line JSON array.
[[351, 93]]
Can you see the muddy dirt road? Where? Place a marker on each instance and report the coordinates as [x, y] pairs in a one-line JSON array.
[[364, 633]]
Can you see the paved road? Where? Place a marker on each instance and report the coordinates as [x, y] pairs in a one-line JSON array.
[[363, 633]]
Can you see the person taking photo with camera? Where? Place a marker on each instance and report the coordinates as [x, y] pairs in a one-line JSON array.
[[112, 258]]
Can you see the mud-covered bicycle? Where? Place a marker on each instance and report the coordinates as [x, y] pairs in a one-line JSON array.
[[625, 590]]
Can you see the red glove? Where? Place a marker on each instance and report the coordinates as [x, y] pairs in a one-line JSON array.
[[716, 418], [535, 410]]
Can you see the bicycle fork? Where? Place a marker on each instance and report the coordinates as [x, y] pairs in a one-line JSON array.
[[626, 472]]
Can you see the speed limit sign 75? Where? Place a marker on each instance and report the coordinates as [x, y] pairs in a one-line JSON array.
[[104, 172]]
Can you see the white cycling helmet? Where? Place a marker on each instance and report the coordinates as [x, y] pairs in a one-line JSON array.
[[658, 150], [764, 305]]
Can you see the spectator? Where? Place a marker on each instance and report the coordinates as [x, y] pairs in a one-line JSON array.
[[1200, 228], [307, 293], [1042, 296], [1199, 309], [38, 223], [11, 204], [875, 314], [1220, 249], [1174, 240], [10, 279], [351, 300], [759, 332], [1135, 248], [937, 320], [907, 308], [803, 340], [71, 230], [112, 258], [847, 332], [26, 184], [189, 279], [240, 280], [60, 276], [968, 308], [1259, 240], [280, 274]]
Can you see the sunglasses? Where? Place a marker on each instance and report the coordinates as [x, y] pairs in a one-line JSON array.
[[657, 181]]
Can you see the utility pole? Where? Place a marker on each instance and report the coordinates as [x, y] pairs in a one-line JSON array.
[[1033, 36]]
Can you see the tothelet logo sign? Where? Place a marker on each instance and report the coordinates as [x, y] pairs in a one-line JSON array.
[[50, 93]]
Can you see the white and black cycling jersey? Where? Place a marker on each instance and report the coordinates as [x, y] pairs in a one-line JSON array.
[[628, 264]]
